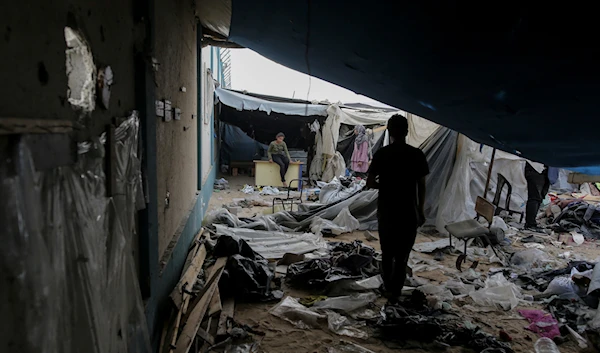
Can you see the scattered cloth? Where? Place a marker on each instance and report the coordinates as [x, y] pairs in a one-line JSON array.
[[541, 323]]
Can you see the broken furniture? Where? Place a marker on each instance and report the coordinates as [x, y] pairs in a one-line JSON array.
[[292, 200], [471, 229], [202, 317], [499, 188], [267, 174]]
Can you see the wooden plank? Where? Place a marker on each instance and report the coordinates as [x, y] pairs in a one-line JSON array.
[[10, 126], [215, 304], [207, 337], [165, 333], [226, 314], [194, 320], [194, 248], [186, 282]]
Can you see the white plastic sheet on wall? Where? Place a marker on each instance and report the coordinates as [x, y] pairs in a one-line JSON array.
[[69, 283]]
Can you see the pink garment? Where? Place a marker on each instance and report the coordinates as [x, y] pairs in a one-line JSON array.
[[360, 154], [542, 323]]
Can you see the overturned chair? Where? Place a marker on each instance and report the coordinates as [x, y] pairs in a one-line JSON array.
[[472, 229], [291, 199], [502, 182]]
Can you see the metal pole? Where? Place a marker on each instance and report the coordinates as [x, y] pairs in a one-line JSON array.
[[489, 174]]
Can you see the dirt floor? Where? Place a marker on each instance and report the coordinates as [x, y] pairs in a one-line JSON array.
[[281, 336]]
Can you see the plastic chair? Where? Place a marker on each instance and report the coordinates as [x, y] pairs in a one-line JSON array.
[[471, 229], [293, 199], [499, 187]]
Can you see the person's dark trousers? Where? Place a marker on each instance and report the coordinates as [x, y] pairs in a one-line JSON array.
[[283, 163], [537, 188], [396, 241]]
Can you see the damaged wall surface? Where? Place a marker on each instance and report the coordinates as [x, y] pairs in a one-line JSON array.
[[151, 57], [34, 62], [177, 140]]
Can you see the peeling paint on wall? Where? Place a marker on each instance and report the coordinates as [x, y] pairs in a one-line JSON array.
[[81, 72]]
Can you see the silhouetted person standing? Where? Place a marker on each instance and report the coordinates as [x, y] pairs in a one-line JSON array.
[[398, 171]]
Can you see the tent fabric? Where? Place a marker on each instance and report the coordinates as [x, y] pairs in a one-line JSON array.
[[508, 78], [245, 102], [239, 147], [266, 126]]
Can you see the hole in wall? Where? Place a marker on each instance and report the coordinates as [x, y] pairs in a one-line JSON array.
[[7, 34], [81, 72], [42, 73]]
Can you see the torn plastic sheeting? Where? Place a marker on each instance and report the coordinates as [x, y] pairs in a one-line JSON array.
[[221, 216], [362, 206], [459, 288], [432, 246], [86, 274], [595, 282], [247, 279], [344, 326], [346, 303], [344, 222], [345, 286], [498, 292], [348, 347], [530, 258], [297, 314], [334, 190], [412, 322], [273, 245]]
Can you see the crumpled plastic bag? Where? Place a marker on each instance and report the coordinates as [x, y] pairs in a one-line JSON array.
[[221, 216], [269, 190], [334, 190], [347, 303], [344, 326], [530, 258], [459, 288], [344, 222], [498, 292], [345, 286], [247, 189], [297, 314]]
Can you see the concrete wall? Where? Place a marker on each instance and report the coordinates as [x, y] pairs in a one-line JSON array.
[[177, 140], [34, 85], [33, 57]]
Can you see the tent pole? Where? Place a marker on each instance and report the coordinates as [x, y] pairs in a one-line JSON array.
[[489, 174]]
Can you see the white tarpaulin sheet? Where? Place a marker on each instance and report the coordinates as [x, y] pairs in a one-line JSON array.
[[468, 178], [241, 102], [272, 244]]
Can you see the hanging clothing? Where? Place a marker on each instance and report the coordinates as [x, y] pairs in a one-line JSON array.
[[362, 150]]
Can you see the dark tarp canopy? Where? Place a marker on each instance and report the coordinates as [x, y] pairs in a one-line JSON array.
[[519, 76]]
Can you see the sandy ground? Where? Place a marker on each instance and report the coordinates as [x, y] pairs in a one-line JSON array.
[[281, 336]]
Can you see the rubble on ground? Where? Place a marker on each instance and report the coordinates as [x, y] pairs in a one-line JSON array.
[[543, 281]]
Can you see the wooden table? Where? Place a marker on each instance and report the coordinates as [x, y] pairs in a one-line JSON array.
[[267, 174]]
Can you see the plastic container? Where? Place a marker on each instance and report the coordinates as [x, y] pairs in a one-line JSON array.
[[545, 345]]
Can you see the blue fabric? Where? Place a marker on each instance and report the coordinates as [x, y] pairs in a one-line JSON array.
[[505, 74], [553, 175], [239, 147]]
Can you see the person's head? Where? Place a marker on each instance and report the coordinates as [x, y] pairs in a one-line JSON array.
[[280, 136], [358, 129], [397, 127]]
